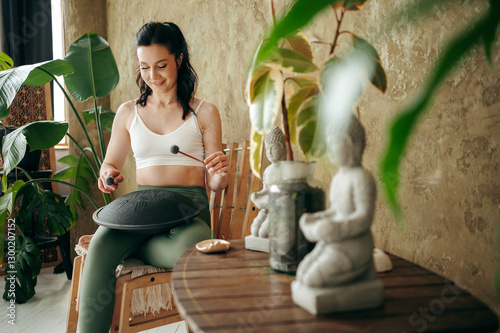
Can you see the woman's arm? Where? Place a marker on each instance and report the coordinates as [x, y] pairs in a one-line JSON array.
[[118, 147], [215, 161]]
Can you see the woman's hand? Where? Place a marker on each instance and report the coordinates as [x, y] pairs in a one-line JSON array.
[[115, 174], [217, 165]]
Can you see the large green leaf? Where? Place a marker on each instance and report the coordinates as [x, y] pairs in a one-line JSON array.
[[71, 172], [12, 79], [311, 130], [266, 103], [301, 13], [107, 117], [96, 73], [290, 61], [27, 268], [42, 209], [406, 121], [352, 4], [75, 161], [256, 147], [9, 197], [294, 104], [300, 43], [6, 62], [38, 135], [295, 83], [375, 70]]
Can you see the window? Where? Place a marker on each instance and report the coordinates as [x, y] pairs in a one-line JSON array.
[[59, 106]]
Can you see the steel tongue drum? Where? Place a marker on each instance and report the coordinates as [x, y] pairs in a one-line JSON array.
[[148, 211]]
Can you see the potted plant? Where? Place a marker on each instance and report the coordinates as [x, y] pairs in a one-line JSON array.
[[89, 71], [285, 79]]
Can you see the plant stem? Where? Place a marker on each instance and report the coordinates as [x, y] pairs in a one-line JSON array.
[[72, 106], [107, 198], [337, 32], [83, 153], [99, 131], [289, 152], [273, 13]]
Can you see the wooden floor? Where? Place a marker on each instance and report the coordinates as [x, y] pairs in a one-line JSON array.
[[46, 312]]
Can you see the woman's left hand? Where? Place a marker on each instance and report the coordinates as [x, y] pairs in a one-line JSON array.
[[217, 163]]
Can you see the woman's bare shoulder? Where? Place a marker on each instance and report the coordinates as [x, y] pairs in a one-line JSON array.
[[206, 109], [125, 113]]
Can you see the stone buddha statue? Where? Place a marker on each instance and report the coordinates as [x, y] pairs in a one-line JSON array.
[[339, 273], [275, 152]]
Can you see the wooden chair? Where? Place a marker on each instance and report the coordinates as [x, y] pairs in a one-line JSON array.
[[232, 214]]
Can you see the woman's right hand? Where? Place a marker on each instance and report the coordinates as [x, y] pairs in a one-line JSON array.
[[115, 174]]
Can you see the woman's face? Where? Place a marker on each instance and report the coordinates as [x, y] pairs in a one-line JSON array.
[[158, 67]]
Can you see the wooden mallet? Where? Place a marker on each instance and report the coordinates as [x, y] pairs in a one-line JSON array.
[[174, 149]]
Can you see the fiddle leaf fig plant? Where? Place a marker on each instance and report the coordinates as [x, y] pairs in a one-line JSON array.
[[284, 78], [89, 70]]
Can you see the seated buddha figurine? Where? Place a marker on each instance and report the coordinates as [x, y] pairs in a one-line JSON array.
[[275, 152], [339, 274]]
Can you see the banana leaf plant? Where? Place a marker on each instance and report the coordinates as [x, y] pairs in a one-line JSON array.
[[6, 62], [285, 79], [264, 85], [89, 71]]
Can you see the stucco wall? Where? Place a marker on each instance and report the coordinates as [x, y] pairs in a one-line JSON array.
[[450, 192], [82, 17]]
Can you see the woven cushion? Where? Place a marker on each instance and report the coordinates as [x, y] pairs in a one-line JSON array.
[[147, 211]]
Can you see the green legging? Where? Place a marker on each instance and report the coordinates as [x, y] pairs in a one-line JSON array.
[[110, 246]]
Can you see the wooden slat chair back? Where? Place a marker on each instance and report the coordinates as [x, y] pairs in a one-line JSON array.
[[232, 215], [233, 211]]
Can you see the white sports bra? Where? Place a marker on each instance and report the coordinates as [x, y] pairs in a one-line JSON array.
[[151, 149]]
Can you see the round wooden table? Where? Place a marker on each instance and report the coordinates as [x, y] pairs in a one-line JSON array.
[[237, 291]]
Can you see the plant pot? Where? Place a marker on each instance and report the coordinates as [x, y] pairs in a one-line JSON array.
[[296, 192], [31, 159]]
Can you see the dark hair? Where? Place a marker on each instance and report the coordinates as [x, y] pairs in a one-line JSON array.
[[169, 35]]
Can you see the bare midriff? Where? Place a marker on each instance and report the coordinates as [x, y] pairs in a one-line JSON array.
[[171, 175]]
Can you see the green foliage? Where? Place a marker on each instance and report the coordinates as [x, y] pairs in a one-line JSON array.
[[27, 267], [286, 56], [6, 62], [89, 71], [38, 135], [32, 75], [107, 117], [96, 73]]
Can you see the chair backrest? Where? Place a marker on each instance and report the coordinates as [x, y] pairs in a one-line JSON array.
[[233, 211]]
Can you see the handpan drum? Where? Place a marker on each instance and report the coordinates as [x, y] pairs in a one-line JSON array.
[[148, 211]]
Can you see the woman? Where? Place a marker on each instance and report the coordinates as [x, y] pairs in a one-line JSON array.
[[166, 113]]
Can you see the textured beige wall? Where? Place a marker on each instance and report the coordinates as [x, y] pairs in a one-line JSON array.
[[450, 192], [82, 17]]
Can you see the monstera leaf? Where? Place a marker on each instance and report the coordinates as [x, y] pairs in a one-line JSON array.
[[27, 266]]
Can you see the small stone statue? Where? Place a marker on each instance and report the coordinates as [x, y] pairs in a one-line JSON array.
[[339, 274], [275, 152]]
